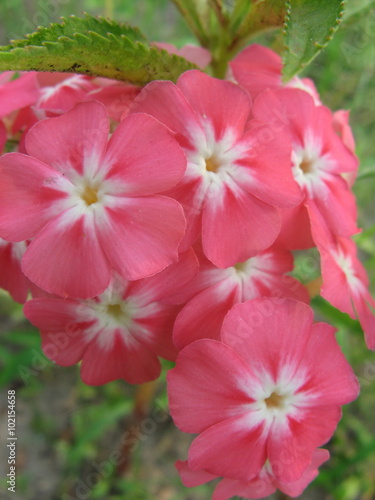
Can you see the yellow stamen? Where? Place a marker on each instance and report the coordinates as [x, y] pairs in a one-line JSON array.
[[115, 310], [90, 195], [274, 401], [212, 165], [306, 166]]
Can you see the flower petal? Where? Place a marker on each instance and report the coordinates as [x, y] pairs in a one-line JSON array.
[[272, 333], [144, 156], [202, 317], [30, 195], [191, 478], [63, 335], [296, 488], [259, 487], [265, 167], [207, 363], [290, 450], [257, 68], [330, 378], [76, 140], [18, 93], [133, 362], [12, 278], [141, 235], [230, 448], [66, 258], [218, 103], [245, 224], [166, 102], [167, 284]]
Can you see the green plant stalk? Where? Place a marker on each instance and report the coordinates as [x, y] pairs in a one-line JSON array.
[[192, 20]]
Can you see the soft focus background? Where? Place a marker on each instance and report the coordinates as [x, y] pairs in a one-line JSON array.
[[69, 434]]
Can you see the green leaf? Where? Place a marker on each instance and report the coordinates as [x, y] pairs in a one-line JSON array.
[[309, 26], [93, 46]]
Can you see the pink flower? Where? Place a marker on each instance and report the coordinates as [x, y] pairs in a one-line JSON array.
[[345, 281], [264, 484], [12, 278], [271, 390], [118, 334], [90, 207], [258, 68], [216, 290], [319, 158], [234, 179]]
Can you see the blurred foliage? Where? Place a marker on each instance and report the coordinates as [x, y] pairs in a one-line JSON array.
[[75, 428]]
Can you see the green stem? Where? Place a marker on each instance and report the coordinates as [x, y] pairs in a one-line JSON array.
[[144, 396], [217, 7], [219, 66], [192, 20]]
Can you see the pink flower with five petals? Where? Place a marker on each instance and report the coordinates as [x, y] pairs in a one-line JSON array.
[[319, 158], [118, 334], [271, 390], [237, 172], [89, 206]]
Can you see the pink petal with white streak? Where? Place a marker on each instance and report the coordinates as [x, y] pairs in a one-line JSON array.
[[285, 326], [133, 362], [76, 140], [199, 367], [264, 167], [30, 196], [166, 103], [219, 104], [290, 449]]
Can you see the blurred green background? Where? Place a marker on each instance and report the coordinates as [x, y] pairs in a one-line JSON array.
[[68, 432]]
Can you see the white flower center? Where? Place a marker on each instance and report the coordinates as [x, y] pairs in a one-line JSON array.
[[213, 159], [309, 165]]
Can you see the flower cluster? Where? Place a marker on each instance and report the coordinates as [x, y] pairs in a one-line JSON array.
[[160, 222]]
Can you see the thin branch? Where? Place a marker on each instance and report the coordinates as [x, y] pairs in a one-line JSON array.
[[218, 8]]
